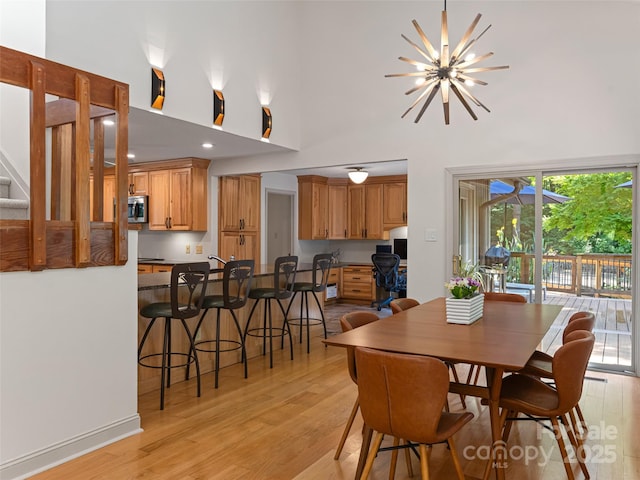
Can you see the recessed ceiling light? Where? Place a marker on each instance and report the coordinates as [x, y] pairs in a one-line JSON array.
[[131, 155], [108, 122], [207, 145]]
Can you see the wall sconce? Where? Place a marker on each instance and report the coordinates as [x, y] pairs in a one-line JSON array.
[[157, 88], [218, 107], [266, 122], [358, 175]]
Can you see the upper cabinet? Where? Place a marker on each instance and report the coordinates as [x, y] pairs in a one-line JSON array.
[[336, 209], [239, 217], [394, 212], [177, 192]]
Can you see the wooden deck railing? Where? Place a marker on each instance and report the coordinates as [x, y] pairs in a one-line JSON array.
[[67, 237], [586, 274]]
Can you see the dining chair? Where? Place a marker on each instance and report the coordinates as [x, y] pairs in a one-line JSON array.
[[530, 396], [404, 396], [236, 286], [400, 304], [188, 284]]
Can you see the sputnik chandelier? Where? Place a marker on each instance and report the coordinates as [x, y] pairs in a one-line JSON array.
[[446, 72]]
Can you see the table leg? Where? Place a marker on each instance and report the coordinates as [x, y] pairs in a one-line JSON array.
[[494, 382], [364, 450]]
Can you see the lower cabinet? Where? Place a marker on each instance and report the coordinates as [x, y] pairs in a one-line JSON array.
[[332, 292], [358, 284]]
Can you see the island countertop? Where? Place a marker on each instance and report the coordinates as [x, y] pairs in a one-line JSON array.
[[150, 281]]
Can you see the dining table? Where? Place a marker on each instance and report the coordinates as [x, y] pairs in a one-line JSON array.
[[502, 340]]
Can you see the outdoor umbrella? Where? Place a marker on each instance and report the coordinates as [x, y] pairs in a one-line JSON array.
[[527, 194], [628, 184]]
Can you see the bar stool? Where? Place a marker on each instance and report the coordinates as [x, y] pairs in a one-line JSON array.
[[236, 285], [318, 284], [194, 277], [284, 276]]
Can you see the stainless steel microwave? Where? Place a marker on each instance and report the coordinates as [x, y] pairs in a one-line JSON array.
[[138, 210]]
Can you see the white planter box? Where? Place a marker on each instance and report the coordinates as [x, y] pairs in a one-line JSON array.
[[464, 310]]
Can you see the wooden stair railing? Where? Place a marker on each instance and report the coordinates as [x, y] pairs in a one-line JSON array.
[[68, 238]]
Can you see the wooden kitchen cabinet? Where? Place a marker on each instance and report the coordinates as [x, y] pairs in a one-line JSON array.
[[239, 217], [358, 284], [337, 208], [178, 196], [395, 205], [313, 208], [139, 183], [145, 268], [365, 211]]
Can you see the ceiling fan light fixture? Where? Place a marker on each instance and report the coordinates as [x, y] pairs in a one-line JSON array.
[[358, 175]]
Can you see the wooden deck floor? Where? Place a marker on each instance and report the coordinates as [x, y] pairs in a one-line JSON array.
[[612, 331]]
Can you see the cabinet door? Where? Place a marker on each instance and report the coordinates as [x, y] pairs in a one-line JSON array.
[[356, 211], [228, 245], [337, 212], [373, 212], [139, 183], [319, 211], [228, 199], [248, 247], [180, 199], [395, 204], [249, 201], [159, 188]]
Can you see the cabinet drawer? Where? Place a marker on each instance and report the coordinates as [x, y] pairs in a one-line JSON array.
[[145, 268], [162, 268], [357, 275], [357, 290]]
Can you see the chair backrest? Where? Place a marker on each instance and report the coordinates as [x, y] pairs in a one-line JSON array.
[[402, 395], [399, 304], [504, 297], [385, 267], [569, 365], [351, 321], [236, 283], [284, 276], [586, 322], [193, 276], [321, 268]]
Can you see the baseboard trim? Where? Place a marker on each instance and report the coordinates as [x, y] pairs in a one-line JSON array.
[[56, 454]]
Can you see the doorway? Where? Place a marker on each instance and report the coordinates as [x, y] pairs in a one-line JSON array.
[[566, 238], [280, 214]]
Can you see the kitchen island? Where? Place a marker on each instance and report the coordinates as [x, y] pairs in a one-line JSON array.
[[155, 287]]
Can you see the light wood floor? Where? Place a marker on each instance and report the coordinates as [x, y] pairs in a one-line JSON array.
[[285, 423]]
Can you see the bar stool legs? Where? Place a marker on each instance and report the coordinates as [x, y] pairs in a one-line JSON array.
[[267, 329]]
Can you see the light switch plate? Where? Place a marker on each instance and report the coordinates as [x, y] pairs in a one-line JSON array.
[[198, 249], [430, 235]]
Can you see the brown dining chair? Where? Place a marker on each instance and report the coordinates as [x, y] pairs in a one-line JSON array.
[[399, 304], [530, 396], [404, 396], [349, 322], [540, 363]]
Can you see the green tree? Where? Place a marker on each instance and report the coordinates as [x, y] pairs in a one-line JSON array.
[[597, 219]]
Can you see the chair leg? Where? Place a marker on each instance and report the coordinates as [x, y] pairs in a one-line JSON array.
[[165, 350], [242, 345], [268, 307], [455, 377], [287, 326], [306, 305], [407, 457], [563, 450], [424, 461], [583, 423], [456, 460], [195, 334], [576, 441], [217, 354], [347, 428], [489, 465], [394, 458], [192, 351], [372, 456], [324, 323]]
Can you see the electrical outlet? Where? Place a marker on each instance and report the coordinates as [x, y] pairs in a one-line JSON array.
[[199, 249], [187, 249]]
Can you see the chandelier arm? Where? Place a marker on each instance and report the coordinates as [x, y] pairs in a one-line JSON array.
[[465, 37], [467, 63], [473, 42], [432, 51], [424, 84], [463, 101], [485, 69], [407, 74], [420, 51], [476, 81], [428, 89], [427, 102], [473, 99], [445, 100], [444, 41], [416, 63]]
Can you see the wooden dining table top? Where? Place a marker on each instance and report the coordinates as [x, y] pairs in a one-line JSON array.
[[505, 337]]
